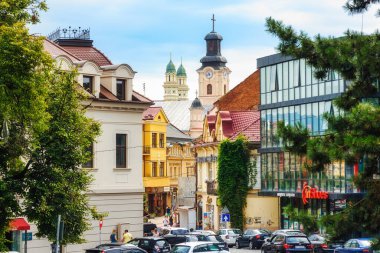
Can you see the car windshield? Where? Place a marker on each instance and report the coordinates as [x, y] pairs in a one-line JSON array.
[[215, 238], [235, 231], [180, 249], [180, 231], [297, 240]]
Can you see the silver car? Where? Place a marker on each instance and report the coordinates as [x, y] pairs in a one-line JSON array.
[[229, 235]]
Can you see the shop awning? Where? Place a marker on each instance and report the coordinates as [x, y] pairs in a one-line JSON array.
[[19, 224]]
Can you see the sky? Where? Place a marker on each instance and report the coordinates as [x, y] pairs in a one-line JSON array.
[[144, 33]]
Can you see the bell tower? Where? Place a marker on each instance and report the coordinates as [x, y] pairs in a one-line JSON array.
[[170, 84], [213, 75]]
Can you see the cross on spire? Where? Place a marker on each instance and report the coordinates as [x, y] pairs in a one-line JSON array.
[[213, 22]]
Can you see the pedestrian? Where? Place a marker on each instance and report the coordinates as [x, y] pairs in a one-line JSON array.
[[171, 220], [167, 211], [113, 237], [127, 236], [165, 222], [155, 233]]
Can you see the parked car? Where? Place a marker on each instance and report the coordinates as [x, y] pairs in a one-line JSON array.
[[205, 232], [115, 248], [173, 231], [211, 238], [357, 245], [229, 235], [197, 247], [252, 238], [176, 239], [148, 227], [288, 243], [151, 244]]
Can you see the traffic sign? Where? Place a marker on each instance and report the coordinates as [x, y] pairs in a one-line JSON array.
[[225, 217], [27, 236]]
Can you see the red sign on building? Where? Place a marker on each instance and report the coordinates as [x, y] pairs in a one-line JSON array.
[[309, 192]]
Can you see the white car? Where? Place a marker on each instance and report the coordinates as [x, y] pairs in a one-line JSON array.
[[229, 235], [204, 232], [173, 231], [197, 247]]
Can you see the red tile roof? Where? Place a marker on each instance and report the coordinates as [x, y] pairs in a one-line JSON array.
[[55, 50], [243, 122], [150, 113], [89, 54], [105, 93], [245, 96]]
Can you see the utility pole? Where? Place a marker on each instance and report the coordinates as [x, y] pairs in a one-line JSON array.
[[58, 229]]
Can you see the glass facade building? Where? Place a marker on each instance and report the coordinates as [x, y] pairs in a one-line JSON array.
[[289, 92]]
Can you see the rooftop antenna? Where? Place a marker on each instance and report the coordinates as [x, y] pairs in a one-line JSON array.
[[213, 22], [144, 88]]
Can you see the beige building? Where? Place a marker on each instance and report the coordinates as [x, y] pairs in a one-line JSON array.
[[117, 153]]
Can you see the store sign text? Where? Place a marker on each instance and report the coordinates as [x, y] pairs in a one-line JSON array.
[[309, 192]]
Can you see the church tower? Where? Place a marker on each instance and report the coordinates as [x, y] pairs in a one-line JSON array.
[[183, 88], [213, 76], [196, 117], [170, 84]]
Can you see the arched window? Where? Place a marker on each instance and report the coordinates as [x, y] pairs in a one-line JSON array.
[[209, 89]]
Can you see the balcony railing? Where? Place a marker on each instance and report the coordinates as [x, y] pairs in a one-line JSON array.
[[146, 150], [212, 188]]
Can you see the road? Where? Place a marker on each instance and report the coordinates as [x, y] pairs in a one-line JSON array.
[[244, 250]]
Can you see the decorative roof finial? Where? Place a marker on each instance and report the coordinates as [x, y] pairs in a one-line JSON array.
[[213, 23], [196, 93], [170, 55]]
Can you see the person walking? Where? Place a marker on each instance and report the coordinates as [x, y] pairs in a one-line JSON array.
[[127, 236], [171, 220], [165, 222], [113, 237], [155, 233]]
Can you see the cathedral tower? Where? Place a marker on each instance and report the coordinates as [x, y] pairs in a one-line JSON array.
[[183, 89], [170, 84], [213, 76]]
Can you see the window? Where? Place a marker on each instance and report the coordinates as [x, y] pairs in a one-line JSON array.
[[90, 162], [154, 169], [162, 169], [154, 140], [121, 150], [87, 83], [209, 89], [120, 89], [162, 140]]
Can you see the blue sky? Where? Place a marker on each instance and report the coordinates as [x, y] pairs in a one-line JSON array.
[[144, 33]]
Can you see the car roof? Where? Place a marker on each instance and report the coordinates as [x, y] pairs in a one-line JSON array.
[[193, 244], [149, 238], [291, 234]]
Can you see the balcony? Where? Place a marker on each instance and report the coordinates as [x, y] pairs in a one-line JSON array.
[[146, 150], [212, 188]]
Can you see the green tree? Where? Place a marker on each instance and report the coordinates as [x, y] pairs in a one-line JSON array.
[[352, 135], [44, 132], [236, 175]]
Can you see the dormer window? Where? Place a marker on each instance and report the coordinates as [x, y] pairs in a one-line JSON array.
[[88, 84], [120, 89]]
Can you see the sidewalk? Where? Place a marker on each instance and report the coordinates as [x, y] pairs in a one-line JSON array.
[[158, 221]]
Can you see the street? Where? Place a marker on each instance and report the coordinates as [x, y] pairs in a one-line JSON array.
[[244, 250]]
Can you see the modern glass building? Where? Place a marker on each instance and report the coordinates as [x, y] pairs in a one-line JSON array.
[[290, 93]]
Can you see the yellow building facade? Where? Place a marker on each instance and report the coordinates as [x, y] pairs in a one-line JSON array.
[[155, 177]]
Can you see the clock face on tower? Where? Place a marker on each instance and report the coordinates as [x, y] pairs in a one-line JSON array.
[[208, 74], [225, 74]]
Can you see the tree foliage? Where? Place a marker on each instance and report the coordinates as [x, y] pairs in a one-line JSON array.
[[308, 221], [235, 173], [44, 132], [353, 134]]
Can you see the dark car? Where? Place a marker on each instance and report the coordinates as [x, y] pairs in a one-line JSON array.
[[357, 245], [148, 227], [288, 243], [321, 244], [212, 238], [115, 248], [151, 244], [176, 239], [252, 238]]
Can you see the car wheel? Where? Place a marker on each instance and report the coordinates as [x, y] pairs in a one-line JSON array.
[[237, 245], [251, 245]]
